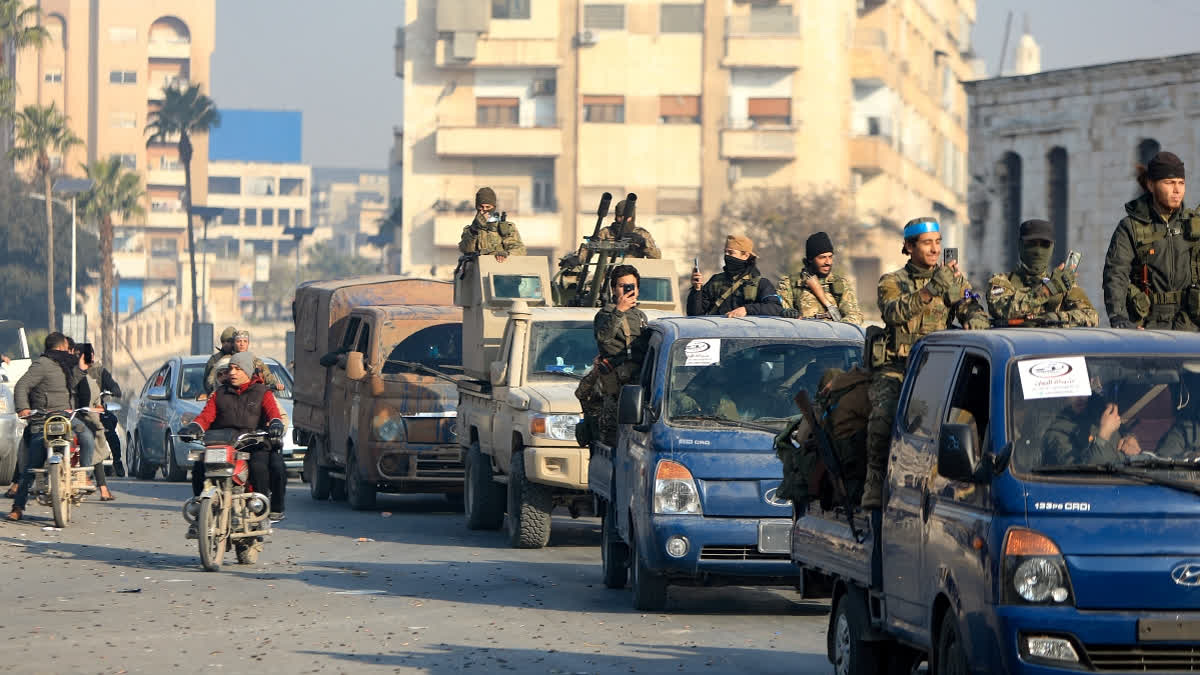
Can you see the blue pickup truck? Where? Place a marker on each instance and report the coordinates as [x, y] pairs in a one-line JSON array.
[[688, 494], [1041, 511]]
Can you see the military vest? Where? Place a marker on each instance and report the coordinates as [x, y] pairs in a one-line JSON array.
[[834, 283], [934, 316], [725, 288]]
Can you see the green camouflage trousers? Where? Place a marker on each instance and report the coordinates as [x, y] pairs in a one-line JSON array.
[[885, 396], [608, 422]]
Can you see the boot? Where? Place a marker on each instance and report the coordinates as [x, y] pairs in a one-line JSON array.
[[15, 514], [873, 490]]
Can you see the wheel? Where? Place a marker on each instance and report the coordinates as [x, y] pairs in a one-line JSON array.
[[144, 470], [614, 553], [529, 506], [247, 553], [172, 471], [649, 589], [483, 498], [951, 656], [318, 477], [60, 497], [849, 653], [210, 535], [8, 465], [337, 489], [360, 494]]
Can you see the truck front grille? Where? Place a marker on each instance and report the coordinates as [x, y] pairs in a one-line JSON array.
[[738, 553], [1145, 658], [439, 465]]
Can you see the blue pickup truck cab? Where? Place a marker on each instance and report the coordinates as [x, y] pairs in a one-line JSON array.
[[1040, 513], [688, 494]]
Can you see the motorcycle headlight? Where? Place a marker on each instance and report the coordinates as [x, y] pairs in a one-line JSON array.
[[675, 490], [388, 426], [555, 427], [1034, 570]]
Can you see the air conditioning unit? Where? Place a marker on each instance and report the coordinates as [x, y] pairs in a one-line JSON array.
[[586, 37], [544, 87]]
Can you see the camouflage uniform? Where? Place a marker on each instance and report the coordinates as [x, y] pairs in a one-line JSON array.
[[263, 370], [796, 295], [499, 238], [1071, 439], [907, 318], [643, 243], [1021, 295], [1148, 274], [621, 350]]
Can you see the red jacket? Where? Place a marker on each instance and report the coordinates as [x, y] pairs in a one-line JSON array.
[[269, 406]]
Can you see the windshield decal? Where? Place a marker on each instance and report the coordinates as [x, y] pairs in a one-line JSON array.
[[703, 352], [1054, 378]]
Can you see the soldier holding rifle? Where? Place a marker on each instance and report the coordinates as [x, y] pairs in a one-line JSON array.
[[818, 292]]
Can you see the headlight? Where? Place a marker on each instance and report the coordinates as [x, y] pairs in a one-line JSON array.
[[388, 426], [1034, 569], [556, 427], [675, 490]]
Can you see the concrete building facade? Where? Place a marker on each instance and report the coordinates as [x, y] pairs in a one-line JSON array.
[[684, 103], [1063, 145], [347, 205]]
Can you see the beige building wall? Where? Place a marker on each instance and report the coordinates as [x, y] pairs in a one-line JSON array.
[[261, 200], [105, 66]]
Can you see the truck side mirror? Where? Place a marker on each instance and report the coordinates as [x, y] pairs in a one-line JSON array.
[[355, 369], [157, 393], [957, 452], [629, 405]]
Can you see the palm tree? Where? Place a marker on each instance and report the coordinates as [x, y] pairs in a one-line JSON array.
[[19, 28], [184, 112], [42, 130], [114, 190]]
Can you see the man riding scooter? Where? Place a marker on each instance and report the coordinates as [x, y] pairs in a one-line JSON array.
[[244, 403]]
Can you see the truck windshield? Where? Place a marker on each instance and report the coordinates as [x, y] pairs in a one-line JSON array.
[[558, 348], [746, 379], [436, 346], [1081, 414]]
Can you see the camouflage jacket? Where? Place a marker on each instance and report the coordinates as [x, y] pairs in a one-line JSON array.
[[1147, 248], [263, 370], [908, 318], [500, 238], [795, 294], [1023, 295], [617, 333], [647, 250]]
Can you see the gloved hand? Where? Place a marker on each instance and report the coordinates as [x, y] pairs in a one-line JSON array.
[[1121, 322], [636, 239], [275, 429], [789, 313], [1061, 281], [192, 430], [942, 282]]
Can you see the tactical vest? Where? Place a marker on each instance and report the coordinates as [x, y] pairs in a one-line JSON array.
[[745, 284], [836, 285], [933, 317], [1140, 301], [242, 412]]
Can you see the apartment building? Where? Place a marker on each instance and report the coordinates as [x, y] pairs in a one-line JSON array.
[[106, 65], [347, 205], [554, 102]]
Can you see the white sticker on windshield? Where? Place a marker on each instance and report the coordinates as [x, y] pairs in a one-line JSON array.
[[1054, 378], [705, 352]]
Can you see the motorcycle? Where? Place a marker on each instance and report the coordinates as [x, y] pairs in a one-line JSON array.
[[228, 510], [61, 483]]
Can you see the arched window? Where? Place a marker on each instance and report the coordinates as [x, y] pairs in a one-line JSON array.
[[1008, 183], [1056, 196], [1146, 150], [170, 30], [56, 27]]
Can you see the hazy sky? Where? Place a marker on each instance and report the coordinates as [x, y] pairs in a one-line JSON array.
[[334, 60]]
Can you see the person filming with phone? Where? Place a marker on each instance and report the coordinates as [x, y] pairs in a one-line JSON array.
[[1036, 295], [618, 330]]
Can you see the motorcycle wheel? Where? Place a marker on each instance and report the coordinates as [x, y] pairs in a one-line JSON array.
[[212, 542], [60, 498]]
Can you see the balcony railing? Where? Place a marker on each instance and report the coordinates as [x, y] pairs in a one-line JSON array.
[[170, 49]]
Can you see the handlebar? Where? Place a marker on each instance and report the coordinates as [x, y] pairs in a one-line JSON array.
[[35, 412]]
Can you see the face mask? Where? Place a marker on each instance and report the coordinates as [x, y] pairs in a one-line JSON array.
[[1036, 258], [734, 265]]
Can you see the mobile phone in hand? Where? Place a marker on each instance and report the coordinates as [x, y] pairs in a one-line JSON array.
[[695, 265], [949, 255], [1073, 258]]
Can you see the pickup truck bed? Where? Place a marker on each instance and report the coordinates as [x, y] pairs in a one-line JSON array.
[[822, 542]]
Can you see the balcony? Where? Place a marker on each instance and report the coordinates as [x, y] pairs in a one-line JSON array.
[[872, 156], [516, 141], [500, 53], [870, 58], [538, 230], [164, 49], [751, 42], [162, 268], [166, 219], [165, 177], [741, 142]]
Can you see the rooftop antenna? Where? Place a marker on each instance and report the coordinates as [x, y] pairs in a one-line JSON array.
[[1004, 46]]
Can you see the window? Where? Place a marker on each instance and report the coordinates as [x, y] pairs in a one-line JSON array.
[[1008, 183], [769, 111], [438, 345], [507, 198], [128, 160], [164, 248], [250, 217], [299, 217], [364, 340], [268, 216], [122, 77], [54, 76], [168, 163], [510, 9], [122, 34], [229, 217], [497, 112], [679, 200], [681, 19], [969, 403], [610, 109], [285, 217], [924, 407], [122, 120], [679, 109], [260, 186], [348, 338], [224, 185], [604, 17], [291, 187], [543, 192], [1056, 197], [589, 198]]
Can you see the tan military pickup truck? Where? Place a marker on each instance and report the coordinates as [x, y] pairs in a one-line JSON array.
[[376, 394], [517, 409]]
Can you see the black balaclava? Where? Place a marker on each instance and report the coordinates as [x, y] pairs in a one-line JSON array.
[[735, 266]]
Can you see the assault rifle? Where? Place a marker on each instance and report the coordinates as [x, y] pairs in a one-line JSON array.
[[831, 308], [833, 466]]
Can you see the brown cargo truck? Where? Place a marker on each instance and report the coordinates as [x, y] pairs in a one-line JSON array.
[[376, 396]]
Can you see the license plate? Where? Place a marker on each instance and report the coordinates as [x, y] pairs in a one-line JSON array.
[[215, 456], [1176, 629], [774, 536]]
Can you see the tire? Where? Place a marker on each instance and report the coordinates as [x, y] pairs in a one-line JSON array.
[[529, 506], [60, 499], [318, 477], [8, 465], [144, 470], [360, 494], [483, 498], [849, 653], [649, 589], [614, 553], [951, 657], [212, 542], [172, 471], [247, 554], [337, 489]]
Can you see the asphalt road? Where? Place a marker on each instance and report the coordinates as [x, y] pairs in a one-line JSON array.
[[121, 591]]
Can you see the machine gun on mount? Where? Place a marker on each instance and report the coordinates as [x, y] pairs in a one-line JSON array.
[[582, 278]]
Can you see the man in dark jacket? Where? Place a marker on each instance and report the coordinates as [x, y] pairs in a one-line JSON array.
[[739, 290], [244, 403], [1148, 269], [618, 331], [49, 384]]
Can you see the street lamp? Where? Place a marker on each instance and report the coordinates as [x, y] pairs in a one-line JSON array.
[[73, 186], [207, 214]]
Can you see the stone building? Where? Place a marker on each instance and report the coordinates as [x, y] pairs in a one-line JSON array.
[[1063, 145]]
